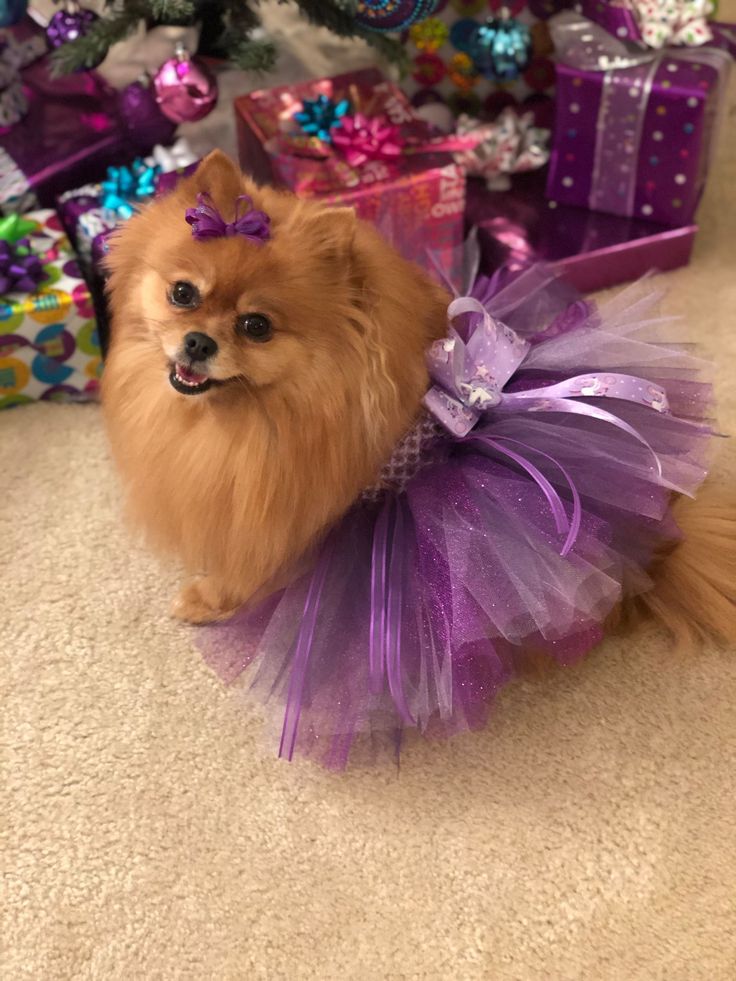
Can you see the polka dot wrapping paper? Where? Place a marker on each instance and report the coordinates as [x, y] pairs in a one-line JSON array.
[[443, 69], [49, 348], [637, 141]]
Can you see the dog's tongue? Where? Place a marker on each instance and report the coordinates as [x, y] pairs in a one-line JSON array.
[[191, 376]]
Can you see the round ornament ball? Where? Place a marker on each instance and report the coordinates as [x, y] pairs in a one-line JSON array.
[[143, 118], [11, 11], [500, 49], [393, 15], [68, 25], [185, 89]]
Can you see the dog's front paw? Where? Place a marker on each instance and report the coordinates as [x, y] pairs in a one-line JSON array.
[[200, 602]]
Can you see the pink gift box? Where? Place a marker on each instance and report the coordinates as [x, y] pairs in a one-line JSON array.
[[417, 201]]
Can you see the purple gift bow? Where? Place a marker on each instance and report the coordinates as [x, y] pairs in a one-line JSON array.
[[629, 75], [208, 223], [469, 379]]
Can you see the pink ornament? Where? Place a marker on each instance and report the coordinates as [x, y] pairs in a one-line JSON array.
[[185, 88]]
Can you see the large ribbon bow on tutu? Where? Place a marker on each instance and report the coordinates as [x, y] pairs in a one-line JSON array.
[[470, 379]]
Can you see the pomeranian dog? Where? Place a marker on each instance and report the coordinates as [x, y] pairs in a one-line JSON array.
[[252, 394]]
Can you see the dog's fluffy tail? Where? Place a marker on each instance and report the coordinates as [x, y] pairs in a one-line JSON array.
[[694, 596]]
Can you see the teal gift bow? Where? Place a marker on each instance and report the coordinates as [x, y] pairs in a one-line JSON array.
[[127, 185]]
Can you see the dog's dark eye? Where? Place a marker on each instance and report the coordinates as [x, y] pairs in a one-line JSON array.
[[255, 326], [183, 294]]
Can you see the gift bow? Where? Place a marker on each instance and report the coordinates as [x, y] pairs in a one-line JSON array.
[[676, 22], [21, 270], [126, 185], [361, 138], [470, 378], [509, 145]]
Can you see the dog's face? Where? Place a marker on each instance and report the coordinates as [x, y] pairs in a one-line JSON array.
[[233, 313]]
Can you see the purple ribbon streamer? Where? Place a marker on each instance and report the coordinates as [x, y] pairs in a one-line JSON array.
[[302, 650], [387, 596], [470, 376]]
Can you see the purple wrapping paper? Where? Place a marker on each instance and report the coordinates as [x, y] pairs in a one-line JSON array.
[[591, 249], [616, 18], [73, 131], [636, 141]]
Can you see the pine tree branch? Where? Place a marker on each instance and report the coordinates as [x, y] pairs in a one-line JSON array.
[[253, 56], [172, 11], [89, 50]]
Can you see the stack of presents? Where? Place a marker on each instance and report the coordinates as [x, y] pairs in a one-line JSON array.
[[602, 180]]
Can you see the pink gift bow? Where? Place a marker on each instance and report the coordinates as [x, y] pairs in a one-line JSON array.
[[469, 379]]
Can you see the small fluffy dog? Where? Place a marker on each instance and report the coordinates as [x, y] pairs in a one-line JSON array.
[[251, 394]]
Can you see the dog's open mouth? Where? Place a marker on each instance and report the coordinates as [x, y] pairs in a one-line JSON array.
[[189, 382]]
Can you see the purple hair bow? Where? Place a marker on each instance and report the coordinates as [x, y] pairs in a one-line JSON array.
[[207, 222]]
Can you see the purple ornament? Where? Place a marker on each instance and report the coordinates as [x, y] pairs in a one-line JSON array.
[[68, 25], [186, 90], [145, 122]]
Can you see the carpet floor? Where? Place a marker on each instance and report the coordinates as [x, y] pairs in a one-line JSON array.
[[148, 832]]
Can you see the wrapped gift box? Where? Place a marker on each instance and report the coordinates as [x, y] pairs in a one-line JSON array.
[[49, 347], [636, 140], [591, 249], [417, 201], [74, 128]]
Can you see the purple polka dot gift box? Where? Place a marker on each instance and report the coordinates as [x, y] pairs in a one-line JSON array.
[[49, 349], [634, 127]]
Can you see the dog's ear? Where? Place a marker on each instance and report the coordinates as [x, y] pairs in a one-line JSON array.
[[329, 233], [217, 175]]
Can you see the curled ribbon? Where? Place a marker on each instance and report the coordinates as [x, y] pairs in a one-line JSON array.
[[125, 186], [470, 378]]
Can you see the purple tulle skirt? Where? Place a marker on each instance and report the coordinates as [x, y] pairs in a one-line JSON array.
[[431, 591]]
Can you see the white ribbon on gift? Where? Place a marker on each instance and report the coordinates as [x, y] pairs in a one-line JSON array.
[[169, 158]]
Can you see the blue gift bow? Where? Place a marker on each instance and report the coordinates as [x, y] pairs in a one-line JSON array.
[[127, 184], [318, 116]]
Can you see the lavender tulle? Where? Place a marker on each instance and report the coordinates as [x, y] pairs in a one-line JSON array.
[[427, 596]]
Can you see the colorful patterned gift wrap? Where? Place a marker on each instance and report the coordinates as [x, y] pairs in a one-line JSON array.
[[354, 140], [591, 249], [49, 348], [635, 127], [480, 56]]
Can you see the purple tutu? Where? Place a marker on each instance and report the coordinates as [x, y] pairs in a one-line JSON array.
[[525, 505]]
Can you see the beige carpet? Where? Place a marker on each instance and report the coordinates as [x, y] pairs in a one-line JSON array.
[[149, 833]]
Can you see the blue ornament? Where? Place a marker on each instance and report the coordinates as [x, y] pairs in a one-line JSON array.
[[318, 116], [393, 15], [11, 11], [500, 48]]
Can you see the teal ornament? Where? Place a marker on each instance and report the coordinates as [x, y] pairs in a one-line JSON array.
[[126, 186], [319, 116], [11, 11], [500, 48]]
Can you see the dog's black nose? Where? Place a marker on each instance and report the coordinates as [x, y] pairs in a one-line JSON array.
[[199, 346]]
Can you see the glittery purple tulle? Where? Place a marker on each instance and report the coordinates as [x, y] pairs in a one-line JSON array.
[[470, 575]]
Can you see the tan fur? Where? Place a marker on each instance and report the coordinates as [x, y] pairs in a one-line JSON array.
[[238, 482], [694, 596]]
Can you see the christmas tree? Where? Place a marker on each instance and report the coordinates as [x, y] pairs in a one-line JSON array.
[[230, 29]]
